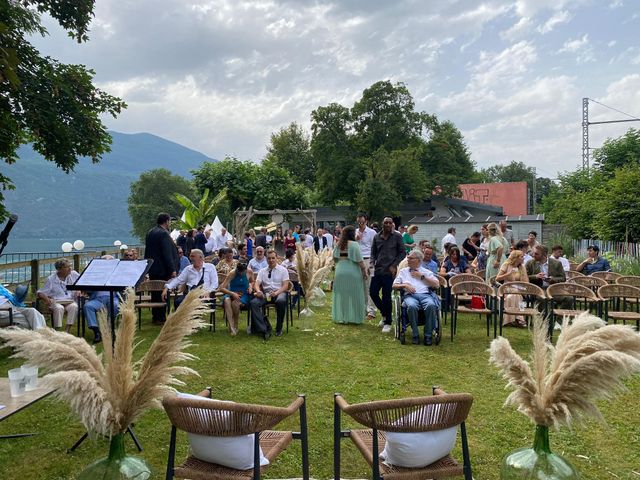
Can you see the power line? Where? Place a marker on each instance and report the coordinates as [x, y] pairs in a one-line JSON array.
[[614, 109]]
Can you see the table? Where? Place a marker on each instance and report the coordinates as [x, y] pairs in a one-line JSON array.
[[15, 404]]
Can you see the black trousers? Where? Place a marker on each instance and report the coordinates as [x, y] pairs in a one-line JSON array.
[[259, 324], [158, 314]]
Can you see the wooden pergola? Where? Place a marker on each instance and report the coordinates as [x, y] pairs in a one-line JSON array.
[[242, 217]]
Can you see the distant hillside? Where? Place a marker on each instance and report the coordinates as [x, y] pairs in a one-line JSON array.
[[92, 200]]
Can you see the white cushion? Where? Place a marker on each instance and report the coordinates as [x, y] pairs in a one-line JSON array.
[[416, 450], [233, 452]]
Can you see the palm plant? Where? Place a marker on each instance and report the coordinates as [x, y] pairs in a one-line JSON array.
[[202, 212]]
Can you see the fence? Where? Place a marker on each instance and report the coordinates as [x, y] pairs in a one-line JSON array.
[[23, 267], [618, 248]]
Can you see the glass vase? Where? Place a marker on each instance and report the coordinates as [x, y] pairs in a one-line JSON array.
[[117, 466], [306, 318], [538, 462], [317, 297]]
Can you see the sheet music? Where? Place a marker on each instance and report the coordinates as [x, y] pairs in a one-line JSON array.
[[97, 272], [112, 273], [127, 273]]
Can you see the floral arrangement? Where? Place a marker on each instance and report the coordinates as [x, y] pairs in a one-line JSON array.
[[312, 267]]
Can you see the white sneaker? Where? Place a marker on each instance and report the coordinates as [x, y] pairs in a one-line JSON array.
[[386, 329], [381, 323]]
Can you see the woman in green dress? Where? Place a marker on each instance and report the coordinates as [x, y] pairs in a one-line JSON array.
[[349, 304], [407, 238], [496, 251]]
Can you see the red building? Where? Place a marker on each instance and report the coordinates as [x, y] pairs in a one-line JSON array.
[[511, 196]]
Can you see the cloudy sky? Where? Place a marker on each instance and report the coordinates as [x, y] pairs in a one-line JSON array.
[[220, 76]]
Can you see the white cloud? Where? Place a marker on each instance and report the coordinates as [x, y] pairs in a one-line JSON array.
[[557, 18], [517, 30], [581, 47]]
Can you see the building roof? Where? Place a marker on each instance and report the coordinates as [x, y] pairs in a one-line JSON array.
[[480, 219]]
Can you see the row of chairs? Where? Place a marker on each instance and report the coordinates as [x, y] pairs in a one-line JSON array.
[[210, 418]]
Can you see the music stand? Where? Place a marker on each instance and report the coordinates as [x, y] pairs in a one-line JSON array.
[[111, 275]]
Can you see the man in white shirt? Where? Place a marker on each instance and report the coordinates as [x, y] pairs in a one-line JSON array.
[[221, 239], [259, 261], [198, 274], [449, 238], [416, 282], [506, 232], [308, 238], [56, 296], [329, 238], [557, 253], [364, 236], [212, 245], [270, 286]]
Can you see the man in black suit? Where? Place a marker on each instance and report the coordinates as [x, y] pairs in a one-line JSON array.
[[319, 241], [160, 248]]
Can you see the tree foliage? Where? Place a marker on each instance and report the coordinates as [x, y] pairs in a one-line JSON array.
[[381, 152], [617, 153], [54, 106], [290, 150], [199, 213], [153, 193]]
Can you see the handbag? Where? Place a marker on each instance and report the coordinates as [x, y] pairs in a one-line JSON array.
[[477, 302]]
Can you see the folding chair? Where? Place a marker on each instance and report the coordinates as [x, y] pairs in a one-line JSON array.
[[215, 418], [419, 414]]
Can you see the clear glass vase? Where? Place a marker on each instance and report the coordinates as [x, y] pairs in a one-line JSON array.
[[117, 466], [306, 318], [538, 462]]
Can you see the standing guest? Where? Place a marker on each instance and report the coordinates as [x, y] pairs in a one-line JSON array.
[[289, 241], [160, 248], [56, 296], [198, 274], [428, 262], [449, 238], [279, 242], [296, 233], [348, 285], [523, 246], [258, 262], [329, 239], [261, 238], [417, 282], [387, 251], [271, 286], [221, 239], [471, 246], [183, 261], [454, 264], [594, 262], [189, 242], [290, 264], [180, 241], [557, 253], [506, 232], [226, 263], [495, 250], [364, 236], [480, 262], [407, 238], [308, 238], [200, 239], [337, 231], [544, 270], [242, 253], [402, 229], [249, 243], [532, 241], [237, 289], [512, 270], [212, 242], [319, 242]]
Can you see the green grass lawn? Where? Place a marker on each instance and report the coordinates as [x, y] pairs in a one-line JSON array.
[[357, 361]]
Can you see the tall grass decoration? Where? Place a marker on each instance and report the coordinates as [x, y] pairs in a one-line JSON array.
[[108, 392], [312, 268], [561, 385]]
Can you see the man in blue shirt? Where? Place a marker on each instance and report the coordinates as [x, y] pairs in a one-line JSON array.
[[428, 262], [594, 262]]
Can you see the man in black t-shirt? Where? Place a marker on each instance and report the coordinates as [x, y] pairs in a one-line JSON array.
[[471, 246]]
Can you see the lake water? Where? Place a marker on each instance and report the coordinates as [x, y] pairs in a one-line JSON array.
[[54, 244]]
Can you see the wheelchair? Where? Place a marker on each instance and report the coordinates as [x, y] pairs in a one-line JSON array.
[[401, 319]]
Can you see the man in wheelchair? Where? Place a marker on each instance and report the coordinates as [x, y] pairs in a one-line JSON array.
[[417, 285]]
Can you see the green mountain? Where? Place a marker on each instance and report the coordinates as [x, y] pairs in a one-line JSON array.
[[92, 200]]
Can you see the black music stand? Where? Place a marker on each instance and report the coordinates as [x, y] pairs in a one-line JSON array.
[[111, 275]]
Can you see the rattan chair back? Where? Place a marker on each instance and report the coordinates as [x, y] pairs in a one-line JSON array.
[[464, 277], [476, 287], [572, 266], [571, 290], [592, 282], [610, 277], [573, 274], [443, 281], [619, 291], [481, 273], [521, 288], [632, 280], [149, 286]]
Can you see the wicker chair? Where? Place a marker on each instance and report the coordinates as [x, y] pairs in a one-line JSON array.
[[571, 293], [227, 419], [616, 300], [594, 283], [143, 292], [572, 266], [443, 294], [632, 280], [610, 277], [404, 415], [481, 273], [464, 277], [533, 295], [468, 290], [573, 274]]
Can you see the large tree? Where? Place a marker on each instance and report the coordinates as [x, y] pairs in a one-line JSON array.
[[152, 193], [618, 152], [54, 106], [289, 149]]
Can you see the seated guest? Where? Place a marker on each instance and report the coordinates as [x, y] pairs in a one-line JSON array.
[[471, 246], [454, 263], [594, 262], [183, 261], [242, 253], [237, 289], [417, 282], [557, 253], [532, 241], [95, 302], [544, 270], [428, 262], [513, 270], [226, 263], [258, 262], [55, 295], [271, 286], [523, 246], [24, 317], [198, 274]]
